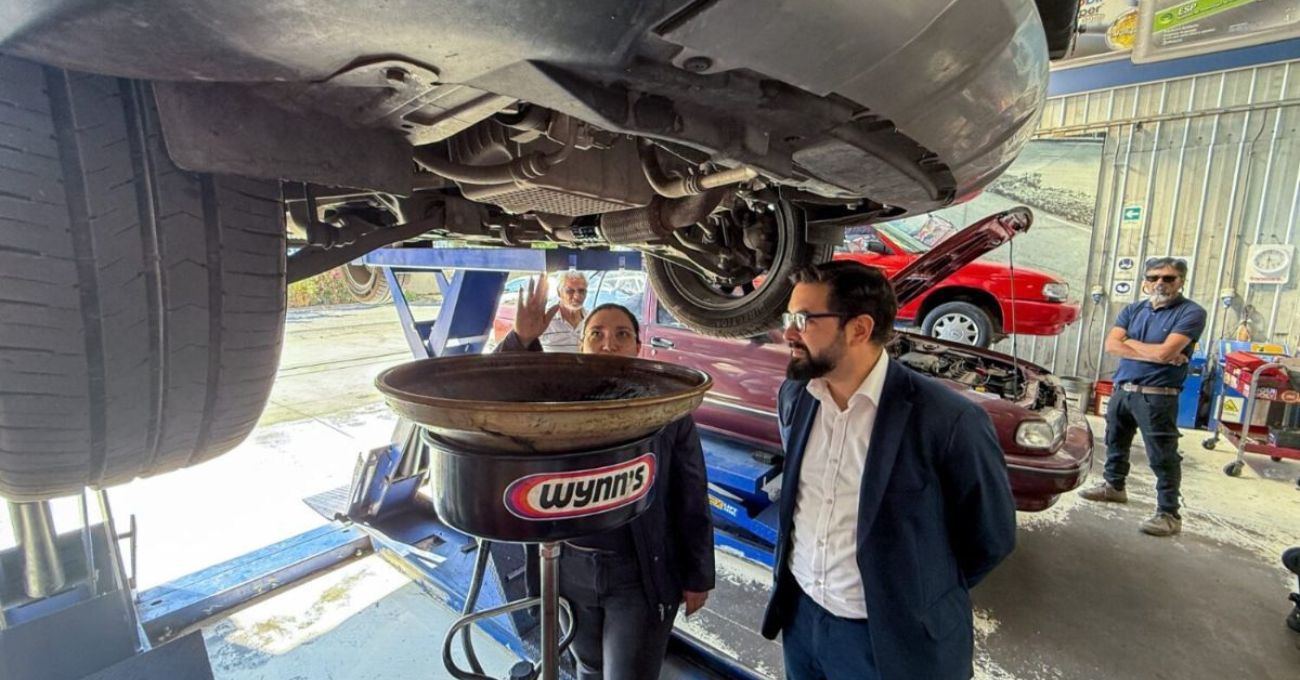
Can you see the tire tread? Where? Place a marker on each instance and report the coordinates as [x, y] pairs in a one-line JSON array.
[[125, 280]]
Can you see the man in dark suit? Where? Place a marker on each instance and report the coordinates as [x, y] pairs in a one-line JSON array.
[[895, 502]]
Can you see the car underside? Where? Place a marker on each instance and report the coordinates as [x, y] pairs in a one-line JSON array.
[[705, 133], [730, 140]]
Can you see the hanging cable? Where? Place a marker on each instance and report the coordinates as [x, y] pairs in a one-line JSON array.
[[471, 598]]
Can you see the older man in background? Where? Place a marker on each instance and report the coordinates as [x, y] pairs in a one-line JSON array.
[[564, 320]]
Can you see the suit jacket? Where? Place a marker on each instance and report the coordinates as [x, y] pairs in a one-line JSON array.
[[674, 536], [935, 515]]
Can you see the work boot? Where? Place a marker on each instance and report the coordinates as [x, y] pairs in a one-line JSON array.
[[1104, 493], [1162, 524]]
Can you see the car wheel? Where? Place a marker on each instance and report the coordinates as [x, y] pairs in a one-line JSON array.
[[368, 285], [141, 306], [1060, 25], [743, 310], [960, 322]]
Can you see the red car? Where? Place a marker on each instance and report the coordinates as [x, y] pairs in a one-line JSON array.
[[1048, 446], [973, 305]]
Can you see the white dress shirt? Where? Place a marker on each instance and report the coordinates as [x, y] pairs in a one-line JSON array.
[[825, 534], [561, 336]]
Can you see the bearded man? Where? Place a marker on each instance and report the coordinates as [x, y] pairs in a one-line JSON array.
[[895, 501], [1153, 339]]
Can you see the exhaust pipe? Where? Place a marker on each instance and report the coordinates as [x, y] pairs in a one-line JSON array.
[[42, 572], [655, 222], [680, 187]]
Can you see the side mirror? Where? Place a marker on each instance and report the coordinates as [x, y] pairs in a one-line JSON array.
[[877, 247]]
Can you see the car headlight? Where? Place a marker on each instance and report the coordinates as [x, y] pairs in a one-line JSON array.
[[1056, 292], [1035, 434]]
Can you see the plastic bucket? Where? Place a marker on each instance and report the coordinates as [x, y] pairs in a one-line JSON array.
[[1078, 393]]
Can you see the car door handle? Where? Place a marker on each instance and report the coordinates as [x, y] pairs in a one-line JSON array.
[[661, 343]]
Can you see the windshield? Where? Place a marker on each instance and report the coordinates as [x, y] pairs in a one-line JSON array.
[[918, 234]]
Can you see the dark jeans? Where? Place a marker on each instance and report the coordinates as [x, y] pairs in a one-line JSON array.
[[819, 645], [1156, 415], [619, 634]]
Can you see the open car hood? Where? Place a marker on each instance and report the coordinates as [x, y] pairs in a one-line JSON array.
[[959, 250]]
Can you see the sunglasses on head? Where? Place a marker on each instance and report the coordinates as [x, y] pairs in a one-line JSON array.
[[1166, 278]]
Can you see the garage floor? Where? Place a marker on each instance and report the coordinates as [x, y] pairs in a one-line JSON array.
[[1084, 596], [1087, 596], [365, 620]]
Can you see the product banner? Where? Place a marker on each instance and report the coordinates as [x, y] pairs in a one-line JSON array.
[[1169, 29], [1156, 30]]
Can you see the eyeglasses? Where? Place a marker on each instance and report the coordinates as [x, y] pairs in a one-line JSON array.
[[800, 319], [1166, 278]]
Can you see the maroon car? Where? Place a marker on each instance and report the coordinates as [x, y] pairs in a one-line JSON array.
[[1048, 446]]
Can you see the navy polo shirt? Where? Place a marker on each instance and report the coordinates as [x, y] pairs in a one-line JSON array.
[[1146, 324]]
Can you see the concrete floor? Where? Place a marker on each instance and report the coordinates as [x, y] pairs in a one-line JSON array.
[[1084, 596], [364, 620]]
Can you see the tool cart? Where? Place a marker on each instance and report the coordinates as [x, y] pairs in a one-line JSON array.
[[1275, 381]]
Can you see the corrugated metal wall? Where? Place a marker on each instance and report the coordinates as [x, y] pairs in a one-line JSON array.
[[1213, 161]]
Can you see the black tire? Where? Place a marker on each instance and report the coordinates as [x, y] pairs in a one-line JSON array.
[[1233, 469], [1209, 444], [960, 322], [1060, 24], [709, 311], [368, 285], [141, 306]]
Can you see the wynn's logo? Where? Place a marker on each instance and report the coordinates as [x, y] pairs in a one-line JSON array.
[[582, 493]]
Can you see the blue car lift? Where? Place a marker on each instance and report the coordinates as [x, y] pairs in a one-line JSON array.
[[381, 512]]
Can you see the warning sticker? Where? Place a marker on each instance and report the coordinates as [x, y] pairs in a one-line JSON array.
[[1231, 412]]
